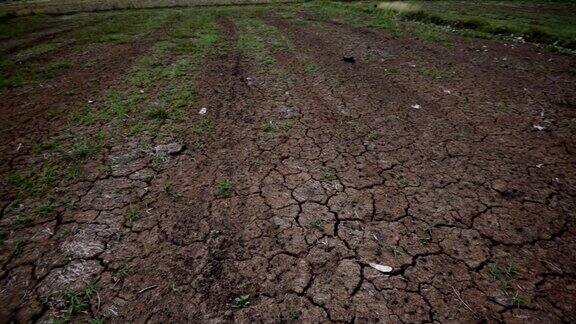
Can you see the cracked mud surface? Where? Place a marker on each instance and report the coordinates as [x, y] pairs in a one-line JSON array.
[[330, 169]]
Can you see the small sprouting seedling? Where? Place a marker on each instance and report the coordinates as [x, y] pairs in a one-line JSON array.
[[504, 106], [43, 209], [256, 163], [396, 250], [160, 114], [169, 191], [46, 145], [214, 233], [204, 127], [198, 144], [78, 301], [391, 71], [317, 224], [402, 182], [424, 240], [120, 273], [511, 271], [242, 301], [508, 272], [356, 130], [327, 176], [132, 214], [311, 67], [286, 125], [268, 126], [135, 129], [293, 313], [53, 69], [158, 162], [504, 276], [517, 300], [74, 170], [21, 180], [372, 136], [19, 244], [96, 321], [82, 150], [433, 73], [224, 187]]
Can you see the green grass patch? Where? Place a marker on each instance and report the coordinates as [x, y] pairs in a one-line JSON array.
[[540, 23], [434, 73]]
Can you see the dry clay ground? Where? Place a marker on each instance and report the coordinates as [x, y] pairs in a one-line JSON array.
[[452, 163]]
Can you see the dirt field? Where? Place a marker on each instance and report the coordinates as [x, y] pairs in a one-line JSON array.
[[252, 164]]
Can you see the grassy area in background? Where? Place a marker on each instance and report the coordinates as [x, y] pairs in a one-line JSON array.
[[544, 22]]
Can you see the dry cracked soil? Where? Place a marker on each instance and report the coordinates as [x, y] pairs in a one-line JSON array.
[[227, 165]]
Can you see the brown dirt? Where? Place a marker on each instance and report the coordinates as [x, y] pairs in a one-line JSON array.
[[448, 195]]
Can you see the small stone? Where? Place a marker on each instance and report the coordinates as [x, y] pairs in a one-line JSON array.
[[169, 149], [539, 127], [500, 185]]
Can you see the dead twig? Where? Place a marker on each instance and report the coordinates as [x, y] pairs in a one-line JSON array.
[[146, 289], [463, 302]]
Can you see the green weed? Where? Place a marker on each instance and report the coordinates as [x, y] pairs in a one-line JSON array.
[[159, 114], [504, 276], [433, 72], [168, 190], [77, 301], [293, 313], [46, 145], [132, 213], [205, 126], [268, 127], [242, 301], [158, 162], [19, 244], [53, 69], [311, 67], [224, 187], [317, 224], [214, 233]]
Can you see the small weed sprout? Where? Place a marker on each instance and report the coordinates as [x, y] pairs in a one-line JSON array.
[[77, 301], [44, 209], [132, 214], [372, 136], [19, 244], [158, 162], [402, 182], [224, 187], [504, 276], [328, 176], [317, 224], [168, 190], [159, 114], [286, 125], [293, 313], [268, 127], [242, 301], [396, 250], [256, 164], [214, 233]]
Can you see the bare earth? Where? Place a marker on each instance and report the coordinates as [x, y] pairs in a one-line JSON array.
[[464, 183]]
